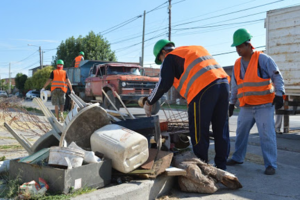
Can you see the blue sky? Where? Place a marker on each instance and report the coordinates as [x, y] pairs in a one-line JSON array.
[[194, 22]]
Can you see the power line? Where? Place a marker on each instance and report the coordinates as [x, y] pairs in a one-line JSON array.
[[123, 48], [205, 14], [229, 52], [134, 37], [216, 29], [228, 13], [200, 27], [27, 57], [156, 8], [120, 25], [27, 66]]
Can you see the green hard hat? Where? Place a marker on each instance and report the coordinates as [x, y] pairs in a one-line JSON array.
[[81, 52], [240, 36], [159, 45], [60, 62]]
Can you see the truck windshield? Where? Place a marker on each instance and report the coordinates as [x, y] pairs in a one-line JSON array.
[[123, 71]]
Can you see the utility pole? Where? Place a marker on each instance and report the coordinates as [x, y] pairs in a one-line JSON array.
[[41, 57], [9, 86], [169, 20], [172, 92], [142, 60]]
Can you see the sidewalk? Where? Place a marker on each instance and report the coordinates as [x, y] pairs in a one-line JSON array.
[[284, 185]]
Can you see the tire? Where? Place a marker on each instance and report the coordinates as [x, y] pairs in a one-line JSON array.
[[155, 108], [107, 104]]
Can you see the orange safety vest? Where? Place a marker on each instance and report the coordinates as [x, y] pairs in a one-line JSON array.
[[59, 80], [200, 69], [77, 61], [253, 90]]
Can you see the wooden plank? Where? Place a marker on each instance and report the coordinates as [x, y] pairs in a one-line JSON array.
[[149, 163], [163, 161]]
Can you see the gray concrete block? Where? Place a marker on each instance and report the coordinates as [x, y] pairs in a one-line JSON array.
[[135, 190]]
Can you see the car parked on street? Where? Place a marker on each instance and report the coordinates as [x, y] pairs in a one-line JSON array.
[[31, 94], [3, 93]]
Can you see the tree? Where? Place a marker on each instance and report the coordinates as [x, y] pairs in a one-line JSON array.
[[95, 47], [3, 85], [20, 80], [28, 84], [39, 78]]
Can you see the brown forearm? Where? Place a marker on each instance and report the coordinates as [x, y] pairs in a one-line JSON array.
[[69, 84], [47, 83]]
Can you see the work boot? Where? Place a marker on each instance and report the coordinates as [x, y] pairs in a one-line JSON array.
[[232, 162], [270, 170]]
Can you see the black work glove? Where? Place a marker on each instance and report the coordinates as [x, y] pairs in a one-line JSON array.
[[231, 108], [278, 101]]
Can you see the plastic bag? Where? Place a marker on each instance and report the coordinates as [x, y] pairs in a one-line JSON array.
[[89, 156]]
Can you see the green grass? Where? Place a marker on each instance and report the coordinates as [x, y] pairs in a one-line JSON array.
[[32, 110], [9, 147], [2, 158], [49, 196], [10, 190], [11, 187]]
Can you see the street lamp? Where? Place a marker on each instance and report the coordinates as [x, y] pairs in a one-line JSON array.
[[40, 50]]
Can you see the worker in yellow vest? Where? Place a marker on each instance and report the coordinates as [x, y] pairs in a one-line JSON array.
[[78, 59], [59, 87], [204, 84], [258, 85]]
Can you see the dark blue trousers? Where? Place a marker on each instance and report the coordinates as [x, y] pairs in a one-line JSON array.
[[211, 106]]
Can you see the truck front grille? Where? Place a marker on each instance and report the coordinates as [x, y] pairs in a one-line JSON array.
[[140, 85]]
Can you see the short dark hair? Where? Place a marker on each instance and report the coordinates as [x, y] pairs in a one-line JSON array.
[[167, 50]]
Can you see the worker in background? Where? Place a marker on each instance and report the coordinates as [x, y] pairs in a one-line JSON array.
[[77, 60], [59, 82], [204, 84], [254, 77]]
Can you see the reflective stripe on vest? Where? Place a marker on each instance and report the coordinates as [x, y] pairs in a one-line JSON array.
[[200, 69], [77, 61], [59, 80], [253, 90]]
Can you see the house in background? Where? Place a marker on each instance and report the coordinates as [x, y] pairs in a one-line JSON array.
[[33, 70]]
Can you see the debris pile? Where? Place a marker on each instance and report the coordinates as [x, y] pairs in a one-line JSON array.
[[94, 147]]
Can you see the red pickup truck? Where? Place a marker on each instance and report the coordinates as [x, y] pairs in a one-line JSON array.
[[123, 78]]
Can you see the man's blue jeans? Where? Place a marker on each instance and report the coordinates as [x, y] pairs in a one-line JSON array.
[[210, 106], [263, 116]]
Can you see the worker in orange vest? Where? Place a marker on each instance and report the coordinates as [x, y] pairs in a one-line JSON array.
[[204, 84], [59, 86], [258, 85], [78, 59]]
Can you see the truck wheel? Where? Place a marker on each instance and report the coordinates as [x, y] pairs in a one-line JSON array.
[[107, 104], [155, 108]]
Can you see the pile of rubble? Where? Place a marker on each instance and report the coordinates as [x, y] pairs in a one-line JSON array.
[[93, 147]]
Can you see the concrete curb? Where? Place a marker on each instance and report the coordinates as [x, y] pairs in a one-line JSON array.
[[135, 190]]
